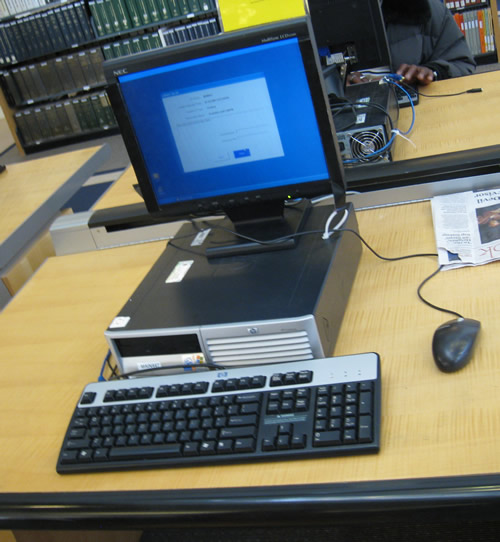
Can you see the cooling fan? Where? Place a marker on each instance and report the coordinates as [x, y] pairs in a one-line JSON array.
[[364, 144]]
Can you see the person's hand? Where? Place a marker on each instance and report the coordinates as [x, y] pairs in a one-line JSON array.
[[355, 78], [416, 74]]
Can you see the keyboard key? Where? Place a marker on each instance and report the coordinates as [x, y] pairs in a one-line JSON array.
[[145, 452], [327, 438], [365, 429], [250, 419], [299, 441], [190, 449], [224, 446], [236, 432], [101, 454], [207, 447], [244, 445], [87, 398]]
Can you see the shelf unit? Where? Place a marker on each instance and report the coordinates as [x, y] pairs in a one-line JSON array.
[[478, 20], [53, 89]]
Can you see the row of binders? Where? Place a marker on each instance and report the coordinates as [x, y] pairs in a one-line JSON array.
[[188, 32], [161, 38], [54, 77], [114, 16], [60, 120], [44, 33], [11, 7], [130, 46], [477, 27], [461, 4]]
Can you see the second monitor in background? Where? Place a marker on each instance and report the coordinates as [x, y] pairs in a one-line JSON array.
[[351, 36]]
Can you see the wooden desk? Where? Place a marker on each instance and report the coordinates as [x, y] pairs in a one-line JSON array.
[[122, 192], [454, 123], [32, 194], [440, 432]]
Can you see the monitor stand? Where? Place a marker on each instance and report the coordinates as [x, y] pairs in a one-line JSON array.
[[262, 227]]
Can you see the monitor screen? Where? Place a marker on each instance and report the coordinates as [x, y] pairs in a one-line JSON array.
[[234, 123]]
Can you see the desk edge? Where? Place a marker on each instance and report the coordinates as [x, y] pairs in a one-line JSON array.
[[427, 498]]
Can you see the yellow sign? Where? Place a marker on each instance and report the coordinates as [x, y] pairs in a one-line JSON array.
[[238, 14]]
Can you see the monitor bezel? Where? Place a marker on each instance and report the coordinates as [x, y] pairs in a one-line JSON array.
[[299, 28]]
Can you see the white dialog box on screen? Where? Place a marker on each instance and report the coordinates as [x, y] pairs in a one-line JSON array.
[[224, 125]]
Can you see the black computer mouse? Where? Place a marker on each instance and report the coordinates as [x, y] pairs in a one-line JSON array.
[[453, 343]]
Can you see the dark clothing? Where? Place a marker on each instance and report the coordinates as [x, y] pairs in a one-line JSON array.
[[423, 32]]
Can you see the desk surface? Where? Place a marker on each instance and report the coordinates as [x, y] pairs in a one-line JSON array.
[[454, 123], [33, 192], [122, 192], [434, 425]]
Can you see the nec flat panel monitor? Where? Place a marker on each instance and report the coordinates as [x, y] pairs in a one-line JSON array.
[[237, 123], [354, 28]]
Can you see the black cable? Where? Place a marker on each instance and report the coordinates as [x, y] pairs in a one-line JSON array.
[[112, 368], [394, 259], [275, 241], [419, 292], [469, 91]]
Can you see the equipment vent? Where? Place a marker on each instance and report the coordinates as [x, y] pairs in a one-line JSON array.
[[365, 143], [257, 349]]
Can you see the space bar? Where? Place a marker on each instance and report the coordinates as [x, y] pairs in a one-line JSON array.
[[162, 451]]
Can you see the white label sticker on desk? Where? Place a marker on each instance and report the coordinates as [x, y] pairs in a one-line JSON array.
[[179, 271]]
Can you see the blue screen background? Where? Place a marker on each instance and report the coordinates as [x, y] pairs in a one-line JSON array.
[[281, 64]]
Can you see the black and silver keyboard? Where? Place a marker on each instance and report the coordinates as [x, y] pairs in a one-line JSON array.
[[293, 410]]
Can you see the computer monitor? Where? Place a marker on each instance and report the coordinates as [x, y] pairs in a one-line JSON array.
[[353, 28], [238, 123]]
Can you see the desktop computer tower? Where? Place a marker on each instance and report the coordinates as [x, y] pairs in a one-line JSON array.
[[282, 305], [364, 130]]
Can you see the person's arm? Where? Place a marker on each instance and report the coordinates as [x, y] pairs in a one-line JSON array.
[[450, 56]]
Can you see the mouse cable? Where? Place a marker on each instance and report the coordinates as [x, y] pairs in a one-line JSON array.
[[419, 293], [422, 284]]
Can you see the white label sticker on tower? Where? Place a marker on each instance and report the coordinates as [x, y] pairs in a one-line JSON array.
[[119, 321], [179, 271], [200, 238]]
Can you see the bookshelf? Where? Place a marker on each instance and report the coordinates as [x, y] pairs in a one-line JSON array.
[[53, 90], [478, 20]]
